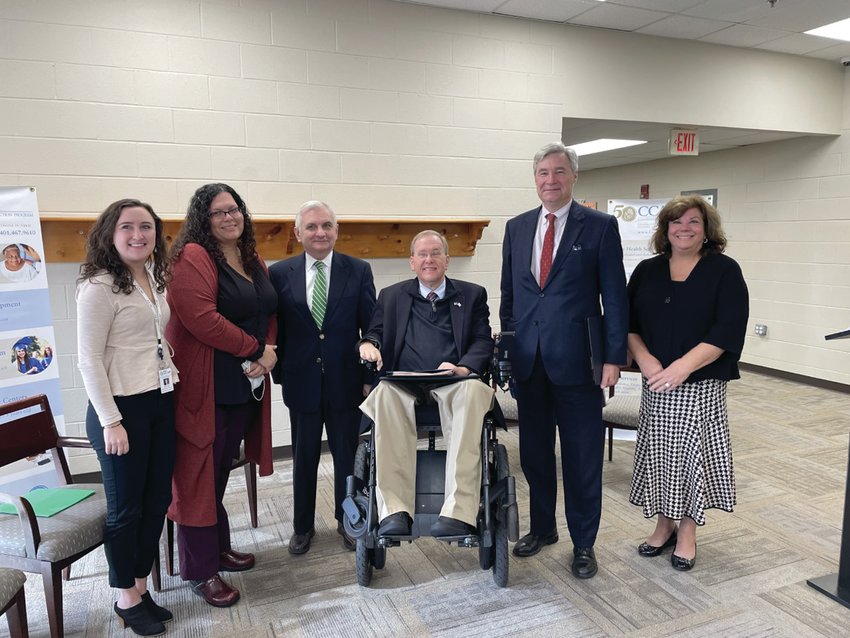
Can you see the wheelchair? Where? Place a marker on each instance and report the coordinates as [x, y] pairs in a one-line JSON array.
[[498, 519]]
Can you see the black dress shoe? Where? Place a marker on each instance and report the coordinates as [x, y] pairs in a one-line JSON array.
[[530, 544], [446, 526], [645, 549], [347, 542], [584, 562], [300, 543], [397, 524], [683, 564]]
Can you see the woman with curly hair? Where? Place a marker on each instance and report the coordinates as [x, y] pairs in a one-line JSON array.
[[126, 367], [689, 307], [222, 326]]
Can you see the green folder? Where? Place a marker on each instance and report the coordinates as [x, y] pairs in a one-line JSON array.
[[47, 502]]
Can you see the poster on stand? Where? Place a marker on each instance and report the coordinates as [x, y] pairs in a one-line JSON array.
[[29, 362], [636, 220]]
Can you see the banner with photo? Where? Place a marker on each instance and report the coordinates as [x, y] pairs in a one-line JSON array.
[[636, 219], [28, 358]]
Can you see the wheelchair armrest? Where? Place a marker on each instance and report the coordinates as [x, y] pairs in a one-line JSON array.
[[29, 523]]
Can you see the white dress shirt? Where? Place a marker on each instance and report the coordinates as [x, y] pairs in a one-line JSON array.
[[539, 235], [310, 272]]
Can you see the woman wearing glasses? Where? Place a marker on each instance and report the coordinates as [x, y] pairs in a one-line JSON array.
[[222, 307]]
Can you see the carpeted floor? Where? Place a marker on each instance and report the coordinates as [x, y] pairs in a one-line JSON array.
[[790, 448]]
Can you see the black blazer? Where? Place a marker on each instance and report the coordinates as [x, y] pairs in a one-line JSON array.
[[310, 359], [470, 322], [588, 268]]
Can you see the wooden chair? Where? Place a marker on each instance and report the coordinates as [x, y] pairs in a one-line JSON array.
[[168, 530], [45, 546], [13, 602]]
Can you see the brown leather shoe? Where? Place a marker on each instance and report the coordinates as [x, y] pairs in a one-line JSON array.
[[300, 543], [347, 542], [233, 561], [215, 591]]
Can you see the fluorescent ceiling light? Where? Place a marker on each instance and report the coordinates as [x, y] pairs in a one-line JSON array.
[[602, 145], [837, 30]]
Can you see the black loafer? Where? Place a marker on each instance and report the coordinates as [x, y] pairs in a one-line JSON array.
[[347, 542], [645, 549], [530, 544], [447, 526], [584, 562], [300, 543], [397, 524], [683, 564]]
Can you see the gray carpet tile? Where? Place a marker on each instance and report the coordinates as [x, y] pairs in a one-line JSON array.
[[790, 452]]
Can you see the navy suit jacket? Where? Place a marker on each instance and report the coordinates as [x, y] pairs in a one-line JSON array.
[[588, 267], [310, 359], [470, 322]]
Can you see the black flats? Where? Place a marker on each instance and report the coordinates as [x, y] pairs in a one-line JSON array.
[[140, 620], [159, 613], [645, 549], [683, 564]]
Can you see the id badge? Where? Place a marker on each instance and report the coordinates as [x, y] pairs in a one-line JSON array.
[[165, 381]]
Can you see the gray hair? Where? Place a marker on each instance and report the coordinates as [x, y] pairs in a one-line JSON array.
[[431, 233], [313, 204], [560, 148], [13, 247]]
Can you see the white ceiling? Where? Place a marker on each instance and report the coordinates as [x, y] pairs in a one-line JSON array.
[[752, 24]]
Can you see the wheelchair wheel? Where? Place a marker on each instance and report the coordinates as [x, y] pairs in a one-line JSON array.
[[363, 563], [361, 461]]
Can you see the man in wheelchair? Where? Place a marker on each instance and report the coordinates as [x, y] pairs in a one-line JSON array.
[[430, 323]]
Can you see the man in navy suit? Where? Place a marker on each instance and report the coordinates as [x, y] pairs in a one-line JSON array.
[[560, 260], [325, 300], [429, 323]]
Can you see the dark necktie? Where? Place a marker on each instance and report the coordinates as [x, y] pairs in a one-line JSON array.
[[548, 249], [320, 295], [432, 297]]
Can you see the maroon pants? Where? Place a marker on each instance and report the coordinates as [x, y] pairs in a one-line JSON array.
[[199, 547]]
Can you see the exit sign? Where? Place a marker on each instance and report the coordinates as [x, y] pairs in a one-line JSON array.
[[684, 141]]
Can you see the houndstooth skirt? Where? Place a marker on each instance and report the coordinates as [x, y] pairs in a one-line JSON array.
[[683, 456]]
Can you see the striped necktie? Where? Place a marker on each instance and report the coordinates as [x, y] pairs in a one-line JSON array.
[[320, 295]]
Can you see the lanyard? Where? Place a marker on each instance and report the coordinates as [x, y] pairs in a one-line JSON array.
[[157, 316]]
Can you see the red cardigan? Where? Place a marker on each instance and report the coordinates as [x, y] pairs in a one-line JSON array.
[[195, 331]]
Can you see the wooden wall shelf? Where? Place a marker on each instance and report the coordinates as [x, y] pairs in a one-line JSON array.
[[368, 238]]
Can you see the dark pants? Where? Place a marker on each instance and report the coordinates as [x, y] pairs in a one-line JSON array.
[[137, 484], [199, 547], [343, 429], [577, 410]]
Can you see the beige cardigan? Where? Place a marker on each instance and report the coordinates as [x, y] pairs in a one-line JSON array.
[[116, 344]]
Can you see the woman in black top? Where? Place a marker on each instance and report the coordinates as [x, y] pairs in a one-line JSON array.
[[689, 308], [222, 324]]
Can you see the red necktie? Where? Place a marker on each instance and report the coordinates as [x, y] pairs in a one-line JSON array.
[[548, 249]]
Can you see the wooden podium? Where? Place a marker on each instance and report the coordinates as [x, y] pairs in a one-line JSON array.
[[837, 586]]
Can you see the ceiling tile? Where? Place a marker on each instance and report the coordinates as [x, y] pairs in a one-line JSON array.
[[673, 6], [742, 35], [556, 10], [611, 16], [802, 15], [833, 52], [733, 10], [485, 6], [796, 43], [682, 26]]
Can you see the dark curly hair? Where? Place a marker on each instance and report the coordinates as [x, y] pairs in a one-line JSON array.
[[101, 254], [674, 209], [196, 228]]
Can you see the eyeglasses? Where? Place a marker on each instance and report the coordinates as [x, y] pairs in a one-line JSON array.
[[219, 214]]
